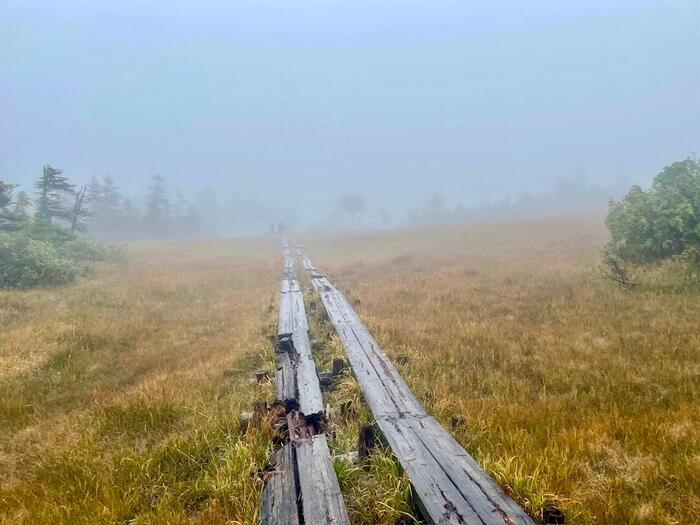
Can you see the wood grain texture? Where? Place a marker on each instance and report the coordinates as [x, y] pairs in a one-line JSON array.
[[321, 499], [279, 498]]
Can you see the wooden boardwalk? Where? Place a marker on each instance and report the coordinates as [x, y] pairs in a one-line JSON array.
[[303, 487], [450, 486]]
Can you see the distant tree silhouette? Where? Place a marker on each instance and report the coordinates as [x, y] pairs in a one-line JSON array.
[[156, 203], [93, 196], [111, 198], [5, 194], [352, 204], [7, 217], [21, 205], [53, 190], [80, 213]]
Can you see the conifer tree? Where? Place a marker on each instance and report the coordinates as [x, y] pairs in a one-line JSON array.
[[53, 189], [7, 218], [94, 197], [21, 205], [156, 202]]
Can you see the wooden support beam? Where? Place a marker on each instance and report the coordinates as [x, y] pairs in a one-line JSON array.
[[366, 441]]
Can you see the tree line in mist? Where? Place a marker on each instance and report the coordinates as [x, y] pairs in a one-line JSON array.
[[101, 210]]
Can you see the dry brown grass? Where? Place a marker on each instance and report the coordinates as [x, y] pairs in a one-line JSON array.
[[575, 391], [119, 396]]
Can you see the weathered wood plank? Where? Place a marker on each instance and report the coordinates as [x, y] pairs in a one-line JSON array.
[[321, 499], [285, 385], [298, 311], [279, 498], [308, 387], [459, 465], [449, 483], [356, 335], [285, 324]]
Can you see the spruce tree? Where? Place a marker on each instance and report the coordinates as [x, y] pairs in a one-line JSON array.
[[80, 212], [156, 202], [53, 190], [7, 219], [94, 197], [182, 206], [108, 208], [21, 205], [5, 194], [111, 198]]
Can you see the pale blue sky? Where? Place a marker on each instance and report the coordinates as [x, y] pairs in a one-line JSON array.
[[310, 99]]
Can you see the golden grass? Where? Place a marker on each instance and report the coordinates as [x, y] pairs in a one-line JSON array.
[[119, 396], [575, 392]]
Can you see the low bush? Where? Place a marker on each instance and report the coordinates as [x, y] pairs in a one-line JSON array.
[[46, 256], [657, 229], [26, 262]]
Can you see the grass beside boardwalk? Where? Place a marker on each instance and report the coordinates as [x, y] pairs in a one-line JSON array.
[[120, 395], [575, 391]]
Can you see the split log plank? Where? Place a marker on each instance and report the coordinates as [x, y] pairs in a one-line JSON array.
[[285, 385], [308, 387], [321, 499], [279, 498]]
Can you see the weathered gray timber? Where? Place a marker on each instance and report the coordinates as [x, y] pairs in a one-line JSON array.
[[302, 487], [450, 485], [322, 501], [308, 387], [279, 498], [293, 338], [285, 380]]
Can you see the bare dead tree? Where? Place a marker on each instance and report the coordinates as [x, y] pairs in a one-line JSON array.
[[80, 212], [613, 270]]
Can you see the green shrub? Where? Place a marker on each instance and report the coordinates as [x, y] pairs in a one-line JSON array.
[[661, 223], [26, 262], [47, 255], [89, 250]]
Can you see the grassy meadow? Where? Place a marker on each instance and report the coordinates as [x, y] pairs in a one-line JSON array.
[[575, 391], [120, 395]]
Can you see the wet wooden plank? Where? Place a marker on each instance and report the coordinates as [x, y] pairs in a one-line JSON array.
[[299, 320], [279, 498], [285, 382], [308, 387], [321, 499], [482, 492], [285, 323]]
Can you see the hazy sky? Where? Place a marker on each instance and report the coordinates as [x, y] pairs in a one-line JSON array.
[[308, 99]]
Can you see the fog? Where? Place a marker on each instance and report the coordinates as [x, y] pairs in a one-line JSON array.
[[276, 111]]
